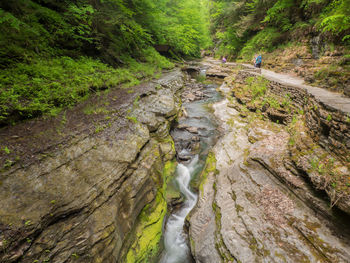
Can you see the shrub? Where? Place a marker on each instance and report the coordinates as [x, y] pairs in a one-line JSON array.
[[265, 40], [336, 19]]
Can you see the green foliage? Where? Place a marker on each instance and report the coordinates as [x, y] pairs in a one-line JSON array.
[[235, 22], [230, 43], [184, 26], [336, 19], [243, 27], [45, 86], [279, 14], [81, 19], [257, 86], [6, 150], [272, 102], [49, 49], [210, 167], [151, 56], [132, 118], [265, 40]]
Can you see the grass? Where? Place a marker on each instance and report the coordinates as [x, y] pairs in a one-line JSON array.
[[257, 86], [92, 109], [6, 150], [272, 102], [100, 128], [132, 118], [46, 86]]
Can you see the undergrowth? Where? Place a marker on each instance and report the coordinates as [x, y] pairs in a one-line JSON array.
[[48, 85], [265, 40]]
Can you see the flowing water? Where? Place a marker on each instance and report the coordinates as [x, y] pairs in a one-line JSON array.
[[176, 248]]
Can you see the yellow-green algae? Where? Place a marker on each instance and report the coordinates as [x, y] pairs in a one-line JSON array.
[[210, 167], [149, 229]]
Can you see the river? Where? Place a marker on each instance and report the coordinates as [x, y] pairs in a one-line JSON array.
[[201, 121]]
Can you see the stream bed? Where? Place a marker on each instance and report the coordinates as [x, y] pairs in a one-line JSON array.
[[244, 212], [194, 135]]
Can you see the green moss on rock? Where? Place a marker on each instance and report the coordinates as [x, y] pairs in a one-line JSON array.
[[210, 167], [149, 231], [146, 246]]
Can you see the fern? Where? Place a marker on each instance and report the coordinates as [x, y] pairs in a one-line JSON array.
[[10, 20], [278, 15], [336, 18], [263, 41]]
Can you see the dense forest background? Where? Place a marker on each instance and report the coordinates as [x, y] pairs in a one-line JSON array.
[[310, 38], [243, 27], [54, 53]]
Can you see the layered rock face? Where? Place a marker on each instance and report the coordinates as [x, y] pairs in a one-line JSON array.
[[84, 203], [327, 113], [324, 137], [261, 203]]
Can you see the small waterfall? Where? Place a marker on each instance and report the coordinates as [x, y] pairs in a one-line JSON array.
[[192, 146], [203, 72], [176, 249]]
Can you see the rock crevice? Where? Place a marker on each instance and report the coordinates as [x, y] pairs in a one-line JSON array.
[[82, 204], [261, 197]]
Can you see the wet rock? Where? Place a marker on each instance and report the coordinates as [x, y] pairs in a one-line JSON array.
[[271, 152], [192, 129], [243, 114], [258, 134], [149, 118], [312, 160], [82, 202], [182, 126], [263, 211], [203, 227], [195, 147], [184, 157], [195, 138], [192, 70], [190, 97], [277, 115], [219, 72], [184, 113], [192, 92]]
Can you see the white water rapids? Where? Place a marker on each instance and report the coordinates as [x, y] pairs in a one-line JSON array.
[[176, 249]]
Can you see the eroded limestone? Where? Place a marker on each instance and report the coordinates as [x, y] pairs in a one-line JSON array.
[[82, 204]]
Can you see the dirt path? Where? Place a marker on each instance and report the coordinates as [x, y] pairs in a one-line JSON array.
[[332, 99]]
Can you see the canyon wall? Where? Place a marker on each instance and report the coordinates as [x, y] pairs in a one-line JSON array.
[[86, 201]]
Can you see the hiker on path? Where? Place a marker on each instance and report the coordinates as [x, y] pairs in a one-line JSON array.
[[223, 60], [258, 61]]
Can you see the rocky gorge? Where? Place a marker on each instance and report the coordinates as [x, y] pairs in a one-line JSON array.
[[268, 158], [271, 187], [89, 200]]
